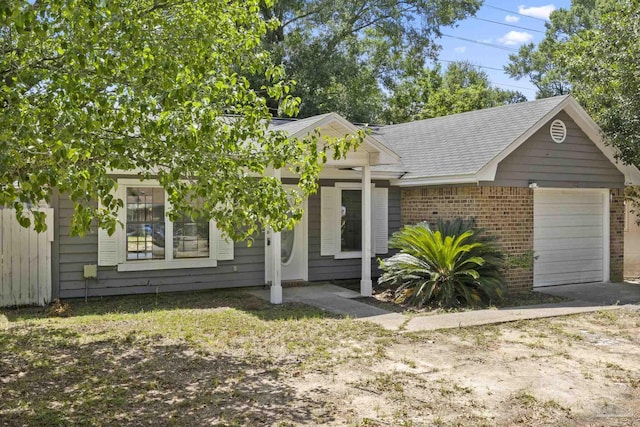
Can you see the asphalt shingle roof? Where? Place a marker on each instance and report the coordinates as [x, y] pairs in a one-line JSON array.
[[461, 144], [294, 126]]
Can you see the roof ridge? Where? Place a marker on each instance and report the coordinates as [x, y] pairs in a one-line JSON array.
[[558, 98]]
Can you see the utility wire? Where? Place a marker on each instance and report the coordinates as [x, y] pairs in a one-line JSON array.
[[515, 86], [448, 61], [508, 25], [514, 12], [496, 46]]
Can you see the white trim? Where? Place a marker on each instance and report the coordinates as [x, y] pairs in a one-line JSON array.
[[348, 255], [584, 122], [439, 180], [558, 131], [144, 265], [488, 171], [339, 253], [169, 263], [369, 139], [593, 131], [276, 264], [493, 163], [606, 223], [304, 225], [304, 222], [365, 281]]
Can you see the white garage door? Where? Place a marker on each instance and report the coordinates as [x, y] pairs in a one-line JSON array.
[[569, 237]]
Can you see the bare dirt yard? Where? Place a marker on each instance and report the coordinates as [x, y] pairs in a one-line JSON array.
[[227, 358]]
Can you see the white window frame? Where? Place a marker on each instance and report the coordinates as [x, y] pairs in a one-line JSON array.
[[338, 229], [169, 262]]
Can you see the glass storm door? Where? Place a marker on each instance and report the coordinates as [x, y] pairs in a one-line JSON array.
[[292, 252]]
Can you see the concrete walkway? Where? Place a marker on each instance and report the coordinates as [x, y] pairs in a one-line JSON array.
[[587, 298]]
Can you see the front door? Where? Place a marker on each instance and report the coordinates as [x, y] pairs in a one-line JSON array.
[[293, 252]]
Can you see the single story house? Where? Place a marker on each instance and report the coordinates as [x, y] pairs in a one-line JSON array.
[[537, 174]]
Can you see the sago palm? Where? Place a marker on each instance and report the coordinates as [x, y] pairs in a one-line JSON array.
[[453, 264]]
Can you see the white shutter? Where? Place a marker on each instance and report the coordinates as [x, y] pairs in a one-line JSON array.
[[107, 248], [328, 224], [224, 246], [109, 252], [380, 220]]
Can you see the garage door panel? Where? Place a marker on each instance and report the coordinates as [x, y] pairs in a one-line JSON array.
[[577, 232], [571, 198], [556, 267], [563, 255], [567, 244], [568, 278], [568, 238], [579, 220], [565, 209]]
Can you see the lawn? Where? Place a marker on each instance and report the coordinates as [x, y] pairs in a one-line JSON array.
[[227, 358]]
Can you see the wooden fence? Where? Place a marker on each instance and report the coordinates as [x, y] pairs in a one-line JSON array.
[[25, 261]]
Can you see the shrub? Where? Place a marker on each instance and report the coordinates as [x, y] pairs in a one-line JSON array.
[[452, 264]]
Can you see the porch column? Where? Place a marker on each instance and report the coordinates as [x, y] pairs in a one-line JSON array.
[[365, 282], [276, 264]]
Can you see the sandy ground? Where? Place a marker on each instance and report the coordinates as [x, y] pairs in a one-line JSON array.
[[256, 365], [579, 370]]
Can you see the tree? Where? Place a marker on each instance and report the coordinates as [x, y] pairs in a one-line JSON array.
[[538, 63], [602, 65], [459, 88], [346, 54], [160, 87]]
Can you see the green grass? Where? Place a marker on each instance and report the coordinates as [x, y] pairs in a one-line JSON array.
[[214, 357]]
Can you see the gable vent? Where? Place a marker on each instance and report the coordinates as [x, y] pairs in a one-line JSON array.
[[558, 131]]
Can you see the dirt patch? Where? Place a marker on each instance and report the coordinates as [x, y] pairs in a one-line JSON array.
[[385, 298], [230, 359], [579, 370]]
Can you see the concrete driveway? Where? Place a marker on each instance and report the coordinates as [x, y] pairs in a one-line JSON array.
[[597, 293]]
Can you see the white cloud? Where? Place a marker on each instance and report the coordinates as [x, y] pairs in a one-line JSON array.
[[541, 12], [487, 40], [513, 38], [512, 19], [460, 49]]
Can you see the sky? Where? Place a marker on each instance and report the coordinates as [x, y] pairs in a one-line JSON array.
[[491, 42]]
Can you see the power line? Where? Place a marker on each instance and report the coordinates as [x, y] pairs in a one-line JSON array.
[[448, 61], [515, 86], [514, 12], [488, 68], [508, 25], [495, 46]]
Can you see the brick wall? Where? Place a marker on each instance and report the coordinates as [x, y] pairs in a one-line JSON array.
[[506, 212], [616, 235]]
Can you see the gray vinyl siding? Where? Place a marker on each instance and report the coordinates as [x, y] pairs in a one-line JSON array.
[[575, 163], [75, 252], [327, 267], [70, 254]]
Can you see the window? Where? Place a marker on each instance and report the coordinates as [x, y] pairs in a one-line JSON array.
[[145, 223], [190, 238], [150, 241], [351, 221], [341, 220]]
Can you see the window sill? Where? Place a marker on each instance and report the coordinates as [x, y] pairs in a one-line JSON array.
[[348, 255], [351, 255], [167, 265]]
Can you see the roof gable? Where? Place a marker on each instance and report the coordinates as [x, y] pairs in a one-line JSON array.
[[462, 144], [467, 147]]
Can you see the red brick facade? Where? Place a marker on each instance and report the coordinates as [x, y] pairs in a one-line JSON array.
[[506, 212], [616, 235]]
